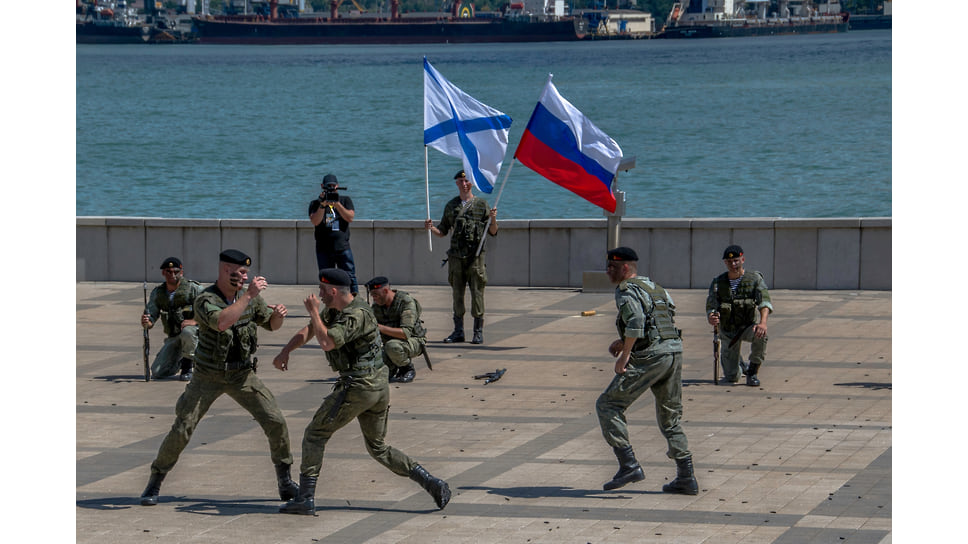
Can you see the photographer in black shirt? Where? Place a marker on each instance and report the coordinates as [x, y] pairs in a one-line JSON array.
[[331, 214]]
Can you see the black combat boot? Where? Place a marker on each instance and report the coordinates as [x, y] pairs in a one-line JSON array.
[[437, 488], [287, 488], [406, 374], [685, 482], [458, 334], [150, 495], [304, 503], [186, 369], [478, 331], [751, 378], [628, 469]]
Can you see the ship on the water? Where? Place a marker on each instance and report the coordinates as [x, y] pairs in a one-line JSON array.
[[877, 19], [115, 21], [525, 21], [736, 18]]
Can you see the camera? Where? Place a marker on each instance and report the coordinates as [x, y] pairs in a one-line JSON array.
[[331, 194]]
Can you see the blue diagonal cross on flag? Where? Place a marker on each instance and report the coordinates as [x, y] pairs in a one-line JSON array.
[[459, 126]]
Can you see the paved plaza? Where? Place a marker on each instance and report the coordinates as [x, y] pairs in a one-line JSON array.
[[804, 458]]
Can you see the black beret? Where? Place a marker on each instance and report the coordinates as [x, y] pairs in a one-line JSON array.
[[330, 179], [622, 254], [171, 262], [335, 276], [460, 174], [234, 256], [733, 251], [377, 282]]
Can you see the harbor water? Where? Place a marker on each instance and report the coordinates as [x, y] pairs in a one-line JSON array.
[[785, 126]]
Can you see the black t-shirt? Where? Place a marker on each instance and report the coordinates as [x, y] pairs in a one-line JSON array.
[[333, 232]]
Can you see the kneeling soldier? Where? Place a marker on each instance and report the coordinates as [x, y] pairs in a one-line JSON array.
[[398, 317]]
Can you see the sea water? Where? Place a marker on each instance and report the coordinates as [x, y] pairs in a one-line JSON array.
[[784, 126]]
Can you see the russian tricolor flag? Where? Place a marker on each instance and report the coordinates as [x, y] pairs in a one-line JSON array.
[[561, 144]]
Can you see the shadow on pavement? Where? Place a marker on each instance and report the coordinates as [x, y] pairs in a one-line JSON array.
[[535, 492]]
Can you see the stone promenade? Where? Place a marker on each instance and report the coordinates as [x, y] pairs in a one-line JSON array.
[[804, 458]]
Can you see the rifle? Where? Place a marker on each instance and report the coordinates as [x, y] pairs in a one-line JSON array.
[[717, 348], [491, 377], [147, 367]]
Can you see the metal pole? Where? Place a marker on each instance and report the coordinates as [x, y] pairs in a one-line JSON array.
[[614, 220]]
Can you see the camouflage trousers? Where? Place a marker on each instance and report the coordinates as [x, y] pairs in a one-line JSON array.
[[397, 352], [729, 356], [370, 408], [467, 272], [663, 375], [206, 386], [178, 347]]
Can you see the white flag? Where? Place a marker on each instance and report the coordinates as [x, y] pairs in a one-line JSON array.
[[459, 126]]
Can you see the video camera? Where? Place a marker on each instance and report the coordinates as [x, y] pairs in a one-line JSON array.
[[331, 194]]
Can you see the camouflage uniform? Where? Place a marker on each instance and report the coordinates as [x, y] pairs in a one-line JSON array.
[[362, 392], [465, 267], [403, 313], [173, 309], [224, 365], [645, 312], [738, 312]]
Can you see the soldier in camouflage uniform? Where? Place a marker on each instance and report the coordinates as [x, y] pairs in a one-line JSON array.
[[467, 216], [224, 364], [347, 331], [649, 351], [739, 303], [173, 301], [402, 330]]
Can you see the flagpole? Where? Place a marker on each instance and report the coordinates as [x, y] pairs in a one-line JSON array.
[[480, 246], [430, 238]]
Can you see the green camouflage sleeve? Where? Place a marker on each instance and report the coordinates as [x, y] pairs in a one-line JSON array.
[[152, 307], [207, 309], [631, 311], [712, 301], [344, 328], [764, 292], [408, 316]]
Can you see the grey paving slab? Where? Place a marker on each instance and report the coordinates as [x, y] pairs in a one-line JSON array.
[[805, 457]]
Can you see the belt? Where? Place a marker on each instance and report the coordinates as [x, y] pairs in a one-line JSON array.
[[237, 365], [356, 372]]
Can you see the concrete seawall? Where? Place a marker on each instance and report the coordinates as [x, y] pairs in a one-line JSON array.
[[834, 253]]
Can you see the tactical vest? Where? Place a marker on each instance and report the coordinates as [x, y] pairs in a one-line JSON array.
[[660, 324], [236, 344], [737, 311], [181, 307], [469, 227], [362, 353], [391, 316]]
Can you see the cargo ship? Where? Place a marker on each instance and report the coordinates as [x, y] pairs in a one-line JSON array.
[[737, 18], [528, 21]]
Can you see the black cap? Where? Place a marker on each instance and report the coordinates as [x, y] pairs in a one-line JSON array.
[[622, 254], [234, 256], [329, 180], [171, 262], [377, 282], [732, 252], [335, 276], [460, 174]]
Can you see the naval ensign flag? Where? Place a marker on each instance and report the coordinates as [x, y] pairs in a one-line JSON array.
[[458, 125]]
